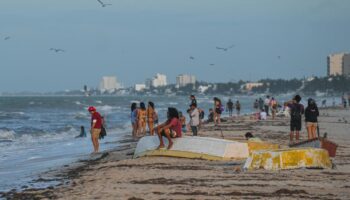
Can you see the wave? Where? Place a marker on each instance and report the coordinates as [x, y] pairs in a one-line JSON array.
[[13, 115]]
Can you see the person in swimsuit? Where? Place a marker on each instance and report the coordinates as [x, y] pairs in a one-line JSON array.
[[142, 117]]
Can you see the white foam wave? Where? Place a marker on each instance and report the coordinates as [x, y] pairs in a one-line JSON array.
[[99, 102], [7, 135]]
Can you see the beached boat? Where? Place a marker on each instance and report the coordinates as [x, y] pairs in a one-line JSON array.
[[288, 159], [194, 147], [323, 143]]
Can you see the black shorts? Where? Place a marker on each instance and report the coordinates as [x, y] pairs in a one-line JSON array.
[[295, 125], [218, 111]]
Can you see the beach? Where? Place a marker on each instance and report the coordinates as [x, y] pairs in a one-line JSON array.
[[115, 175]]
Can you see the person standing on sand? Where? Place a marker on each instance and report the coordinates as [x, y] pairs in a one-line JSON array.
[[273, 105], [296, 112], [229, 106], [311, 114], [217, 111], [256, 105], [261, 104], [133, 119], [141, 118], [182, 119], [194, 122], [343, 98], [96, 125], [193, 100], [151, 116], [238, 108], [267, 104], [170, 129], [349, 98]]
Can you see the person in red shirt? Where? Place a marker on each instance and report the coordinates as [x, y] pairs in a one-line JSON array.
[[96, 125], [170, 129]]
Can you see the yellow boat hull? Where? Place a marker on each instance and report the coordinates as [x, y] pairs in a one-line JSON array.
[[288, 159]]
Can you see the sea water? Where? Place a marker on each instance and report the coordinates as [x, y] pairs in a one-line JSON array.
[[38, 133]]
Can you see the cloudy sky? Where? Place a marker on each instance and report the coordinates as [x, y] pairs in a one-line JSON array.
[[134, 39]]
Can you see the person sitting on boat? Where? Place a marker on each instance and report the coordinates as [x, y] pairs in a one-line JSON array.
[[250, 137], [170, 129]]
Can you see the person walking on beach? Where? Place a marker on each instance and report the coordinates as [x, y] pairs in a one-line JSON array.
[[311, 114], [349, 98], [96, 124], [267, 105], [238, 108], [194, 122], [151, 116], [170, 129], [133, 119], [141, 118], [217, 111], [229, 106], [296, 112], [273, 106], [343, 98]]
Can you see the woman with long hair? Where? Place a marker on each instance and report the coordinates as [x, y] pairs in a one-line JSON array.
[[133, 118], [141, 117], [151, 117], [170, 128]]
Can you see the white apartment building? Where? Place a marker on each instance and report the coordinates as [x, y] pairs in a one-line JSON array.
[[159, 80], [338, 64], [185, 79], [140, 87], [109, 84]]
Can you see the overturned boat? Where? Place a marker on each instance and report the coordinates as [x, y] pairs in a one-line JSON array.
[[193, 147], [288, 159]]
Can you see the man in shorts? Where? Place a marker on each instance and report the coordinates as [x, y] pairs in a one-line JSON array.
[[96, 125], [296, 112]]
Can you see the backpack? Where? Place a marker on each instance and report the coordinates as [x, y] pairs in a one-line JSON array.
[[103, 132], [295, 113], [222, 108]]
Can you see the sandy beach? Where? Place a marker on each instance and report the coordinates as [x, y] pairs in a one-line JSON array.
[[115, 175]]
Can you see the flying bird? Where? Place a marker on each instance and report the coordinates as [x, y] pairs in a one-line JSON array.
[[211, 64], [191, 57], [7, 38], [225, 48], [104, 4], [56, 50]]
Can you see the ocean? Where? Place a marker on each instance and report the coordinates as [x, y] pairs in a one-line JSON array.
[[37, 134]]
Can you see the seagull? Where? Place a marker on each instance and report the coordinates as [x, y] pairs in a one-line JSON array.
[[191, 57], [279, 57], [104, 4], [7, 38], [211, 64], [225, 48], [56, 50]]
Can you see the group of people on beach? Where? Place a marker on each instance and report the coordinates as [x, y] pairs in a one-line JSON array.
[[140, 116]]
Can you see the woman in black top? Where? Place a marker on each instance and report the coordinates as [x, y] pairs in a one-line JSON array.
[[311, 114]]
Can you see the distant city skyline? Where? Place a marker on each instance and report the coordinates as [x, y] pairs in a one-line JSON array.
[[58, 45]]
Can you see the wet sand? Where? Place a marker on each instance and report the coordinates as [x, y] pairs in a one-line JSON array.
[[115, 175]]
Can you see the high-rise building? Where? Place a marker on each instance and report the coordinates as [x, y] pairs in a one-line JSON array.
[[109, 84], [159, 80], [338, 64], [185, 79]]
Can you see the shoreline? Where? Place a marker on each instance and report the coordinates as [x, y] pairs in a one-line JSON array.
[[115, 175]]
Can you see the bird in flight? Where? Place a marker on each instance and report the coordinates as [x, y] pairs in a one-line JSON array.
[[191, 57], [104, 4], [212, 64], [56, 50], [225, 48], [7, 38]]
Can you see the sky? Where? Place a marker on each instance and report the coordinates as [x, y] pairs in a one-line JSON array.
[[134, 39]]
